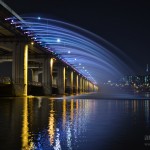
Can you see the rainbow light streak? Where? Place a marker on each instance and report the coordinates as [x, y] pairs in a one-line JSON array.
[[81, 49]]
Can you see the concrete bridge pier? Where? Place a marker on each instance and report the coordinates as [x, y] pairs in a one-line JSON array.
[[54, 78], [77, 84], [47, 75], [81, 85], [61, 79], [35, 75], [69, 83], [91, 87], [85, 85], [74, 82], [88, 86], [20, 69], [95, 88]]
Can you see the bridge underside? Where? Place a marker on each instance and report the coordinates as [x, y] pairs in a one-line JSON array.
[[35, 70], [39, 74]]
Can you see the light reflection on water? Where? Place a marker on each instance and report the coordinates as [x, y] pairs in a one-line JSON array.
[[45, 124], [66, 120]]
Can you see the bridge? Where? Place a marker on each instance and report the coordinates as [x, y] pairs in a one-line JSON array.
[[29, 57]]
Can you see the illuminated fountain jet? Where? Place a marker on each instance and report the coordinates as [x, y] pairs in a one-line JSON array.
[[90, 55]]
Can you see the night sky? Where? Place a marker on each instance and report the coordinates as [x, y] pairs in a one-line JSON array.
[[125, 24]]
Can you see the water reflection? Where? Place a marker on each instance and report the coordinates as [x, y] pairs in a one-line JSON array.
[[67, 128], [50, 124], [25, 129], [147, 112], [51, 129]]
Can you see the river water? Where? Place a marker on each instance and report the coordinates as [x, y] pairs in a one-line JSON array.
[[74, 124]]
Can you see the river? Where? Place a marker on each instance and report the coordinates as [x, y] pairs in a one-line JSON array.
[[42, 123]]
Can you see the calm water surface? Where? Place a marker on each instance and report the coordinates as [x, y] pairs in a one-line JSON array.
[[74, 124]]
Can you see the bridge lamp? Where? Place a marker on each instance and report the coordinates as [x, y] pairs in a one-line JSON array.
[[32, 43], [58, 40], [39, 18], [69, 52], [17, 26], [75, 59]]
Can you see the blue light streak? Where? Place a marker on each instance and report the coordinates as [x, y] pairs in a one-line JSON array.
[[77, 47]]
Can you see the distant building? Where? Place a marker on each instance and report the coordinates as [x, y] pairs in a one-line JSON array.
[[147, 69], [137, 79]]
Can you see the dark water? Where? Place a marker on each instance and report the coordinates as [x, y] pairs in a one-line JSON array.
[[74, 124]]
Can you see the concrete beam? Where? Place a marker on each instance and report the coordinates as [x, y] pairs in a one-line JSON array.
[[8, 46]]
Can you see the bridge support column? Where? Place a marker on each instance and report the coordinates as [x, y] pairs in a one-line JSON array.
[[54, 80], [70, 81], [35, 75], [20, 69], [92, 87], [95, 88], [89, 86], [80, 84], [83, 85], [61, 79], [74, 82], [87, 89], [77, 84], [47, 75]]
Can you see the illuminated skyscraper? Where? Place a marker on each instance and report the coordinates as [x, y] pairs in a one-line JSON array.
[[147, 68]]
